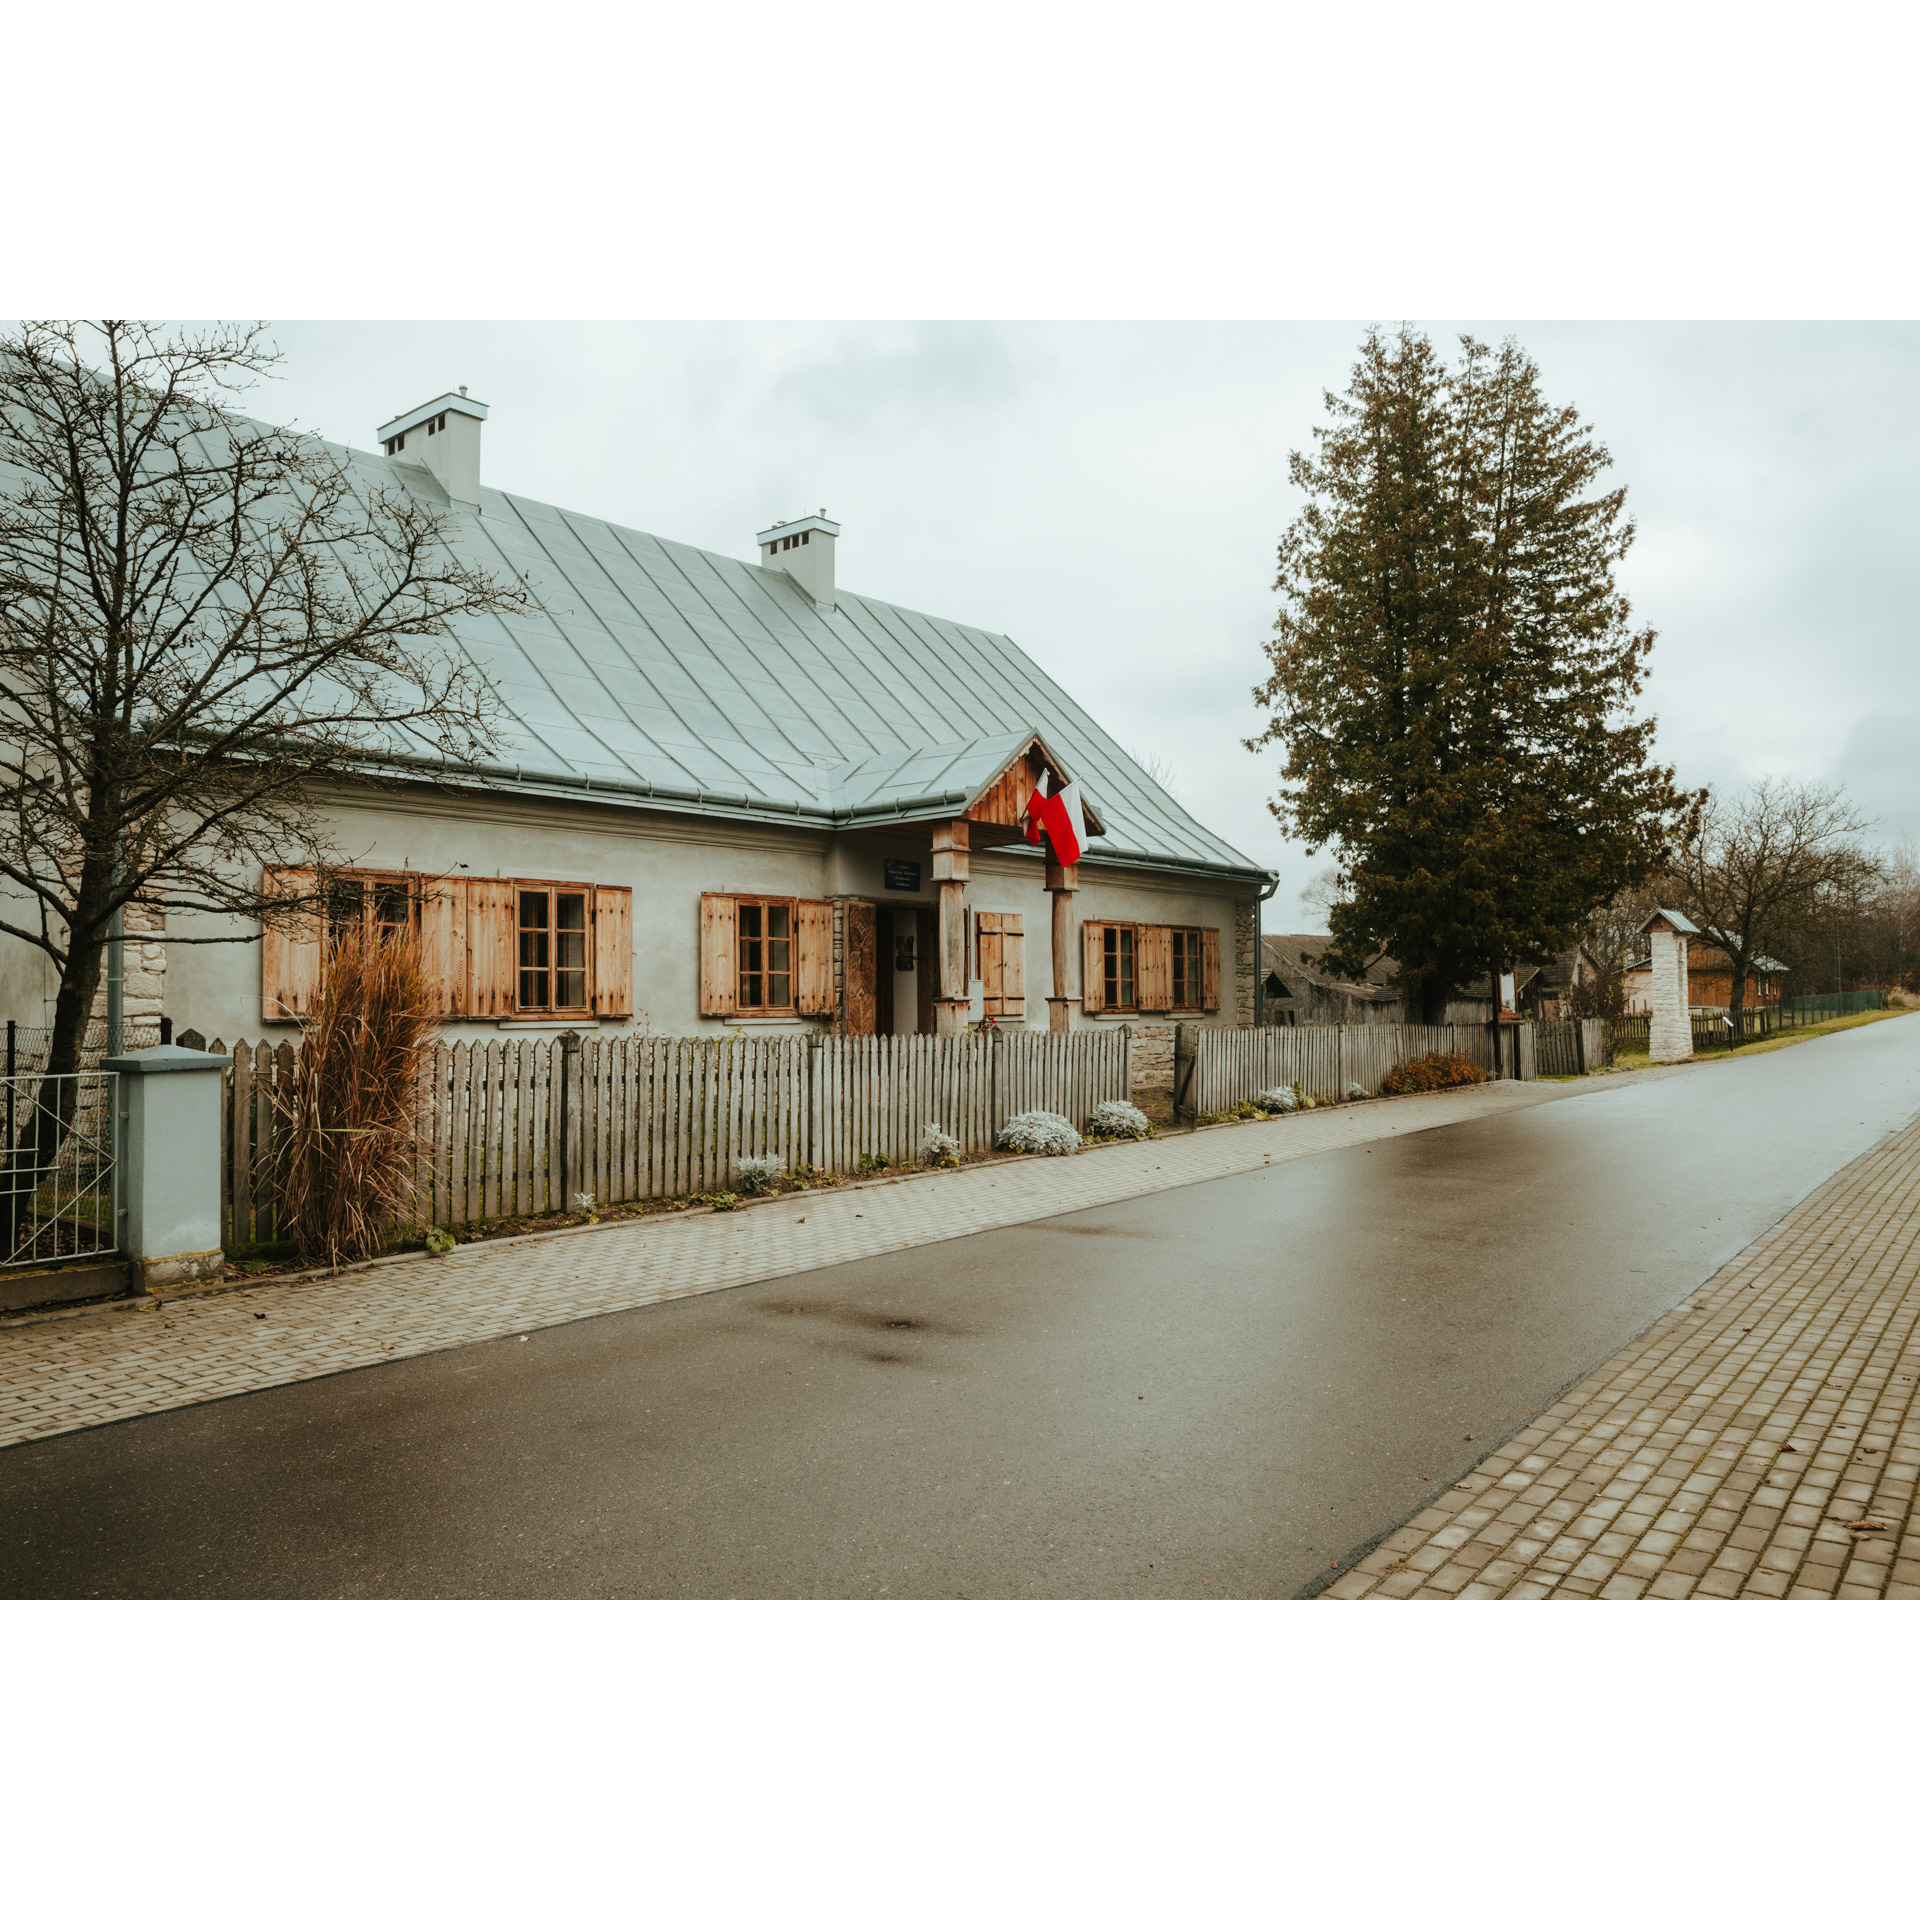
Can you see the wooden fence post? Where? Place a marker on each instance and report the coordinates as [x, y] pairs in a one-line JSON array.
[[814, 1151], [569, 1118]]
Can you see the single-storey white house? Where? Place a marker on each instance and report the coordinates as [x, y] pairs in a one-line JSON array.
[[736, 795]]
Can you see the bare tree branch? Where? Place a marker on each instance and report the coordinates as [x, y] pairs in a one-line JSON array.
[[204, 621]]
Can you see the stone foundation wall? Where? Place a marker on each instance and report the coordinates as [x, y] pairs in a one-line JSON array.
[[1246, 960]]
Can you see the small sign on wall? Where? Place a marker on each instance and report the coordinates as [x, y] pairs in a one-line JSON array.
[[903, 876]]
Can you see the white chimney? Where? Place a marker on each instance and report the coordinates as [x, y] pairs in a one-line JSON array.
[[444, 437], [803, 548]]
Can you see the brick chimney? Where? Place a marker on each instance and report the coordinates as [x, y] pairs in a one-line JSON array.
[[444, 437], [803, 548]]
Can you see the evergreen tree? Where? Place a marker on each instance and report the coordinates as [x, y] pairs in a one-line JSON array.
[[1454, 667]]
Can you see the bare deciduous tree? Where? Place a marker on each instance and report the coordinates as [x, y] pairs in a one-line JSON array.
[[201, 617], [1158, 770], [1325, 891], [1759, 864]]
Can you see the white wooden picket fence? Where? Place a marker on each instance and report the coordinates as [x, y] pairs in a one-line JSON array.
[[1231, 1064], [510, 1127]]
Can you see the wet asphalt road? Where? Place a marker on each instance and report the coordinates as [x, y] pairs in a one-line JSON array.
[[1213, 1392]]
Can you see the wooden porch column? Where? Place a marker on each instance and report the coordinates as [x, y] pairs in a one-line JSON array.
[[1061, 882], [950, 875]]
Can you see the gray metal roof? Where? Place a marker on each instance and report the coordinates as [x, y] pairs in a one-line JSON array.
[[661, 675]]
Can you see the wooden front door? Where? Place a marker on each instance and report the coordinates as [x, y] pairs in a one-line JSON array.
[[862, 987], [926, 928]]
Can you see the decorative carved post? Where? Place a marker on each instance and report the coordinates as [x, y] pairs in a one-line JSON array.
[[1061, 882], [950, 875]]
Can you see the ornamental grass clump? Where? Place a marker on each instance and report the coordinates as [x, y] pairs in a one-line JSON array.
[[758, 1173], [1435, 1071], [1038, 1132], [938, 1148], [1277, 1100], [347, 1111], [1118, 1120]]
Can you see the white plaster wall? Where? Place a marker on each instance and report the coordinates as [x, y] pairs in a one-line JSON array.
[[27, 978]]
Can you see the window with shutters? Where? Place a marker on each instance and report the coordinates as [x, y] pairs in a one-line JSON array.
[[1131, 968], [494, 949], [765, 957]]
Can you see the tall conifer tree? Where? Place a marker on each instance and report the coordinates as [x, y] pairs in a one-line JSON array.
[[1454, 670]]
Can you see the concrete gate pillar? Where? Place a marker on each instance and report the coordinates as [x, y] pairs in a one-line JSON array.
[[1669, 1024], [170, 1163]]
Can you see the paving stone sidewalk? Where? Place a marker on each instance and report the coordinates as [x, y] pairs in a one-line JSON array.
[[57, 1375], [1759, 1442]]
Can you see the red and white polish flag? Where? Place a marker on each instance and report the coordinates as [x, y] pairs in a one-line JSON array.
[[1058, 815]]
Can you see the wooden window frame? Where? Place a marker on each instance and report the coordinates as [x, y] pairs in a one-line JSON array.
[[1119, 940], [1186, 970], [373, 882], [765, 902], [552, 1009]]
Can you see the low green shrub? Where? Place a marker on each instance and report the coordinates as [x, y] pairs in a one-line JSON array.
[[1435, 1071]]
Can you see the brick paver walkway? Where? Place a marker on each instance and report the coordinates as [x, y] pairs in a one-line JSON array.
[[1761, 1441], [60, 1374]]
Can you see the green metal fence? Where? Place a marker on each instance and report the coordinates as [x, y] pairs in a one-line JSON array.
[[1808, 1009]]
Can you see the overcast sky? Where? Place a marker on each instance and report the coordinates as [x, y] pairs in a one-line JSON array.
[[1110, 494]]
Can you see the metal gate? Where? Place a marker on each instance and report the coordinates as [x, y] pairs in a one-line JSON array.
[[60, 1168]]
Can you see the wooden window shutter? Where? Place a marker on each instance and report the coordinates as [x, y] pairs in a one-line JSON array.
[[443, 942], [813, 956], [1153, 968], [611, 991], [1093, 967], [719, 954], [492, 949], [1013, 992], [1210, 969], [989, 966], [290, 949]]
